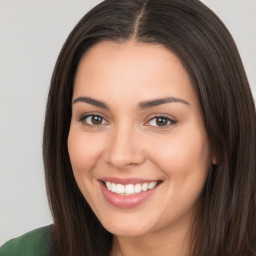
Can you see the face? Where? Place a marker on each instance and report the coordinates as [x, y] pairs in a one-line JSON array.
[[137, 142]]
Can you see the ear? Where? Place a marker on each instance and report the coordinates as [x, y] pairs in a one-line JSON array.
[[214, 159]]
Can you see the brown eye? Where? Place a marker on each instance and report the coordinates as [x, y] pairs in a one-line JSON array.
[[93, 120], [161, 121], [96, 120]]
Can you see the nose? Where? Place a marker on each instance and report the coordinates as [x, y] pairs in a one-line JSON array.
[[124, 149]]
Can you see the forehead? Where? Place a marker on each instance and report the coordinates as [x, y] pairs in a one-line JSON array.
[[131, 68], [131, 52]]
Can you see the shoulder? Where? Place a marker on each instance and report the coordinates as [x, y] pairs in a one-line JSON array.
[[36, 242]]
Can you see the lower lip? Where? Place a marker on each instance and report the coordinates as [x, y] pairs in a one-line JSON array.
[[126, 201]]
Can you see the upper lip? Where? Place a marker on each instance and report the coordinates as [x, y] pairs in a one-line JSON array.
[[126, 181]]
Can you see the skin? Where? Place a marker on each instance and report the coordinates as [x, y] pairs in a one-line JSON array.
[[128, 142]]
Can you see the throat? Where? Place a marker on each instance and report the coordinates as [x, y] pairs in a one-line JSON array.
[[141, 247]]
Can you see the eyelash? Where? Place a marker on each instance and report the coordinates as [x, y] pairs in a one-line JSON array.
[[84, 117], [164, 118]]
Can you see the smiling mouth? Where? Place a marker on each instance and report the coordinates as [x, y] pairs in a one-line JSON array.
[[129, 189]]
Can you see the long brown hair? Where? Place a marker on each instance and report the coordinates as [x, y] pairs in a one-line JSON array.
[[226, 220]]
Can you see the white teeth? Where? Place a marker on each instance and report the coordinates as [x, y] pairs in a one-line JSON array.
[[113, 187], [152, 185], [119, 189], [137, 188], [108, 185], [144, 187], [129, 189]]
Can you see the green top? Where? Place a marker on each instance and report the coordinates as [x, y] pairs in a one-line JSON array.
[[36, 242]]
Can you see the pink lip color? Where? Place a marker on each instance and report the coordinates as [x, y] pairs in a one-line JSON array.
[[126, 201]]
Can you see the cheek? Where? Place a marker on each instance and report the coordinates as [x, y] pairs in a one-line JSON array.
[[183, 154], [84, 151]]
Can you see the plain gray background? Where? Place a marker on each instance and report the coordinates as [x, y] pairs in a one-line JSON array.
[[32, 33]]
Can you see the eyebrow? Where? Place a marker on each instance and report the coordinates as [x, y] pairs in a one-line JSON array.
[[160, 101], [91, 101], [142, 105]]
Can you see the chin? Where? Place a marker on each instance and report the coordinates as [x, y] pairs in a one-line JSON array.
[[127, 228], [127, 231]]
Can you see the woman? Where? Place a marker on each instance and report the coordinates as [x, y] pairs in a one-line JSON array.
[[149, 138]]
